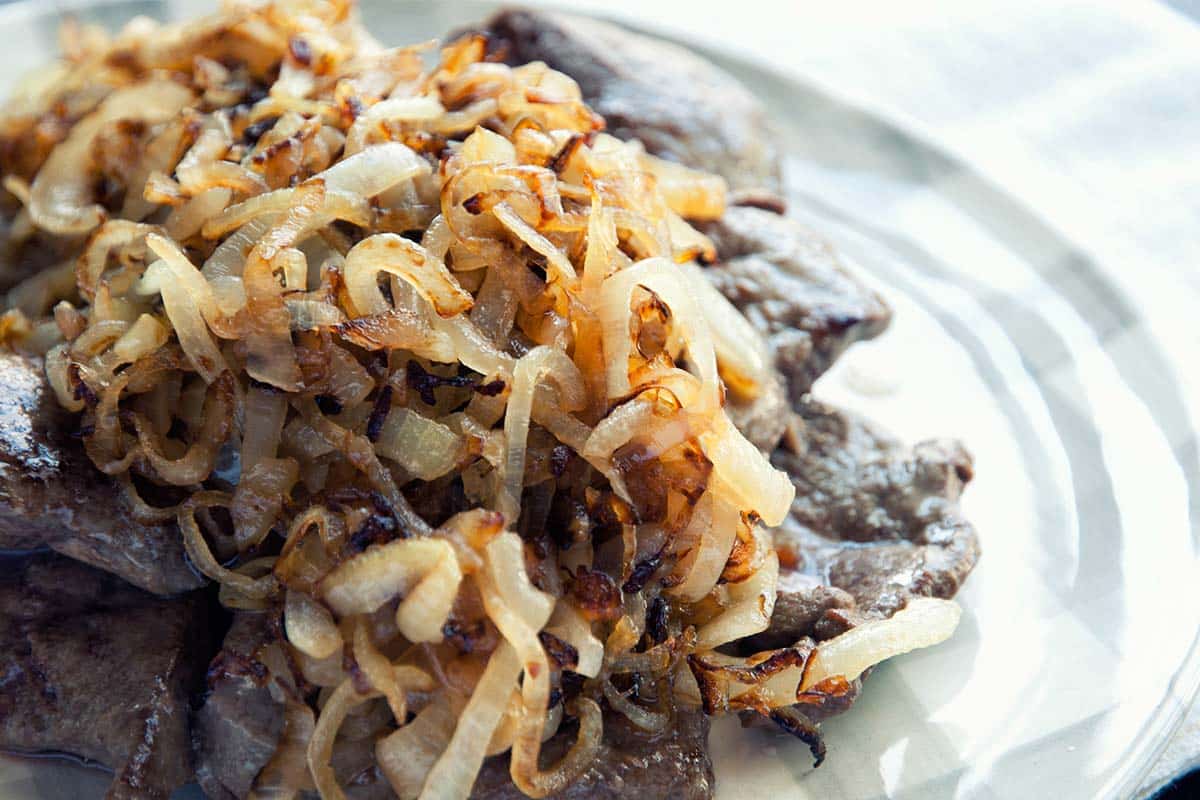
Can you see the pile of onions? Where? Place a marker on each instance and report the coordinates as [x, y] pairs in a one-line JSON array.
[[321, 284]]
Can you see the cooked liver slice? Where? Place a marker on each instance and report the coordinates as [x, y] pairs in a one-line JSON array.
[[51, 494], [100, 670], [673, 765], [238, 727], [677, 104], [793, 288], [876, 519], [818, 612]]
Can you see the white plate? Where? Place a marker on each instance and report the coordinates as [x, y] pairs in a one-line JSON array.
[[1078, 649]]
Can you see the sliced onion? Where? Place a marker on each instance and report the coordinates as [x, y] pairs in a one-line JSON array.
[[142, 338], [425, 448], [536, 782], [573, 628], [334, 205], [374, 170], [495, 308], [422, 614], [287, 771], [387, 252], [644, 718], [540, 362], [349, 381], [418, 109], [265, 412], [320, 746], [603, 255], [201, 556], [230, 256], [305, 559], [743, 468], [713, 527], [378, 670], [453, 774], [114, 234], [524, 604], [661, 277], [259, 498], [188, 301], [60, 199], [687, 243], [202, 169], [924, 622], [438, 237], [424, 572], [311, 315], [473, 349], [538, 243], [300, 438], [406, 756], [690, 193], [201, 456], [160, 156], [750, 603], [229, 295], [485, 145], [323, 672], [400, 329], [778, 678], [762, 681], [186, 221], [360, 452], [740, 349], [616, 430], [270, 353], [519, 610], [211, 145], [310, 627]]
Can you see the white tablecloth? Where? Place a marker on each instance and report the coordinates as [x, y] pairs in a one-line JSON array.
[[1088, 113]]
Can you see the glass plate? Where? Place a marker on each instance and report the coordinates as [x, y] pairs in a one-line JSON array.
[[1077, 654]]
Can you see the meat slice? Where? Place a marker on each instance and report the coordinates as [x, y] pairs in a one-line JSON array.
[[673, 764], [678, 105], [100, 670], [242, 722], [51, 494], [873, 518], [804, 609], [791, 286], [239, 726]]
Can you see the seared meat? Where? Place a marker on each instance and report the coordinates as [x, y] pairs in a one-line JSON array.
[[876, 519], [873, 525], [816, 611], [238, 727], [794, 290], [52, 495], [240, 724], [242, 721], [674, 764], [680, 106], [98, 669]]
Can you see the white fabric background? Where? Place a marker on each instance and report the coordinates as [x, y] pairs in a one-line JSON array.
[[1088, 113]]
